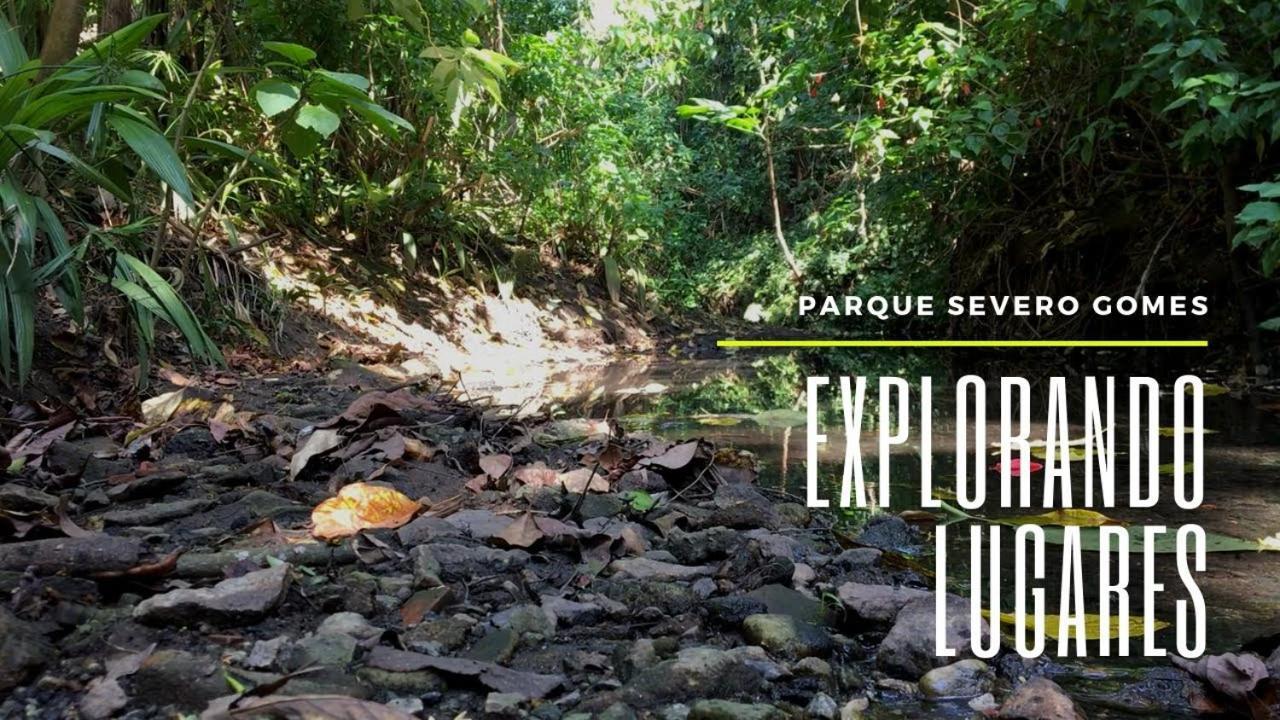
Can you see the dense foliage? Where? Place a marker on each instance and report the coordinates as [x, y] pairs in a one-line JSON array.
[[724, 155]]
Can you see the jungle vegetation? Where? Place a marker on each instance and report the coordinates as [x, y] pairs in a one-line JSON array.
[[691, 155]]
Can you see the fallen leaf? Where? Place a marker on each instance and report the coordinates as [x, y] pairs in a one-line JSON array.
[[1210, 389], [1233, 675], [1092, 625], [676, 457], [1173, 432], [1063, 516], [495, 466], [718, 420], [523, 532], [318, 443], [582, 480], [495, 677], [308, 707], [1015, 467], [536, 475], [1071, 454], [361, 506]]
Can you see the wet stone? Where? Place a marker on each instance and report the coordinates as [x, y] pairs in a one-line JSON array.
[[878, 603], [908, 650], [20, 498], [694, 548], [784, 635], [178, 678], [728, 710], [445, 634], [731, 610], [1039, 699], [328, 650], [959, 680], [888, 532], [782, 600], [597, 505], [155, 513]]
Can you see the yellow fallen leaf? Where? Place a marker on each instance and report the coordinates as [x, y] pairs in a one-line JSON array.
[[1092, 625], [1173, 432], [1073, 454], [1170, 468], [361, 506], [1269, 543], [1211, 389], [1063, 516], [719, 421]]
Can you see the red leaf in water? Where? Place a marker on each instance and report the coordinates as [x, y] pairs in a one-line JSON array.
[[1015, 467]]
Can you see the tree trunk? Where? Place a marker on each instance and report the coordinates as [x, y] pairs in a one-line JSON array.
[[777, 212], [115, 15], [62, 35]]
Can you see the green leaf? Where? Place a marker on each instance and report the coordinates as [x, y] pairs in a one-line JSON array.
[[470, 38], [612, 278], [1272, 325], [295, 53], [1265, 190], [171, 307], [1259, 211], [1090, 541], [639, 500], [275, 96], [319, 119], [300, 141], [13, 54], [154, 150], [359, 82]]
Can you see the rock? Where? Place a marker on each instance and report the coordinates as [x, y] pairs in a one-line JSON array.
[[527, 620], [727, 710], [462, 562], [822, 706], [479, 524], [782, 600], [792, 514], [1039, 699], [408, 705], [437, 636], [855, 558], [599, 505], [677, 711], [704, 587], [631, 659], [878, 603], [888, 532], [496, 703], [329, 650], [570, 612], [738, 505], [616, 711], [239, 600], [178, 678], [642, 568], [426, 568], [670, 598], [908, 650], [23, 650], [263, 654], [92, 553], [423, 602], [641, 479], [985, 704], [427, 528], [959, 680], [853, 709], [352, 625], [786, 636], [417, 682], [151, 485], [155, 513], [262, 504], [20, 498], [803, 575], [695, 672], [496, 647], [813, 667], [693, 548], [731, 610]]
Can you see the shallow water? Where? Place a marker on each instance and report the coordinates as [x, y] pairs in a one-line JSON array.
[[722, 400]]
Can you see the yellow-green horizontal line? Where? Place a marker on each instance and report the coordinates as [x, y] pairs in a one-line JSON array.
[[832, 343]]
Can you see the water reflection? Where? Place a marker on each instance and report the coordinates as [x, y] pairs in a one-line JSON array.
[[757, 405]]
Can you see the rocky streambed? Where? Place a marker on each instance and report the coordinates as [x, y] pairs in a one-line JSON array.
[[166, 565]]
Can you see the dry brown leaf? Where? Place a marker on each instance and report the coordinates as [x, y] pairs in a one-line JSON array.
[[537, 475], [495, 466], [523, 532], [361, 506], [583, 479], [318, 443], [312, 707], [676, 457]]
